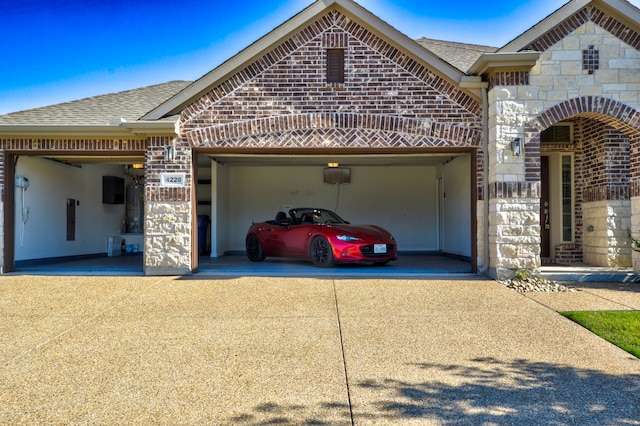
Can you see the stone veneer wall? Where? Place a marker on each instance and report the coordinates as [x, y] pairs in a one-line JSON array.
[[606, 242], [167, 247], [514, 235], [521, 104], [514, 191]]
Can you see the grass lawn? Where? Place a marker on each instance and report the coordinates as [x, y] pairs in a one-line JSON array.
[[622, 328]]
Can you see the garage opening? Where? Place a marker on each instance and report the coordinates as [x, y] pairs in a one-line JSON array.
[[425, 200], [75, 214]]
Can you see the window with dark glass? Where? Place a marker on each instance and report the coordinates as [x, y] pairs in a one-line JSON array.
[[590, 59], [560, 133], [335, 65]]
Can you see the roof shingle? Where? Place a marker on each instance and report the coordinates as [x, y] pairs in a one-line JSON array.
[[460, 55], [99, 110]]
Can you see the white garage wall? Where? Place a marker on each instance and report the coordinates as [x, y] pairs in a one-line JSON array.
[[50, 184], [400, 199], [220, 205], [456, 176]]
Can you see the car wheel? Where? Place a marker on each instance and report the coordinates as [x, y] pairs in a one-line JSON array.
[[254, 249], [321, 252]]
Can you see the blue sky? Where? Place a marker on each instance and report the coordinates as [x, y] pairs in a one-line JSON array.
[[62, 50]]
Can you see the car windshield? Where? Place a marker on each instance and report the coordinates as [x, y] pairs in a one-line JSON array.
[[308, 216]]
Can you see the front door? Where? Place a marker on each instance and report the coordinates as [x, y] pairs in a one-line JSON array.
[[545, 210]]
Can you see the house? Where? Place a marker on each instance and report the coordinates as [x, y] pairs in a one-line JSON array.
[[509, 157]]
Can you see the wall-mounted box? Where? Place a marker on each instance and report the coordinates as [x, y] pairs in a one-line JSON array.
[[112, 190]]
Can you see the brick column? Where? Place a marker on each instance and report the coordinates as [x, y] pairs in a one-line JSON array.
[[168, 210], [635, 231], [634, 190], [607, 207]]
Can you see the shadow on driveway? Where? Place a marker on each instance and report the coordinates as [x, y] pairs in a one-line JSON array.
[[485, 391]]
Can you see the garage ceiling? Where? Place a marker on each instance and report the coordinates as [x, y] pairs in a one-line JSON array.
[[281, 160]]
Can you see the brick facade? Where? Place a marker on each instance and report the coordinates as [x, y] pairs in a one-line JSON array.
[[392, 101], [282, 100]]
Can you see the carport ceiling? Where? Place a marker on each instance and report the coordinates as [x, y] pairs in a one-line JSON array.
[[322, 160]]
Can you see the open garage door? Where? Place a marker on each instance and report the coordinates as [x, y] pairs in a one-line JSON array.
[[78, 214], [424, 200]]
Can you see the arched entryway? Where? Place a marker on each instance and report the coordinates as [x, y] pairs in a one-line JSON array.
[[587, 164]]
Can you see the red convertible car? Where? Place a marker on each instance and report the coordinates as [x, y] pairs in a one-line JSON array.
[[321, 236]]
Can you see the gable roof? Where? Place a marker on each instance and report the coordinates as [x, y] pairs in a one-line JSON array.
[[460, 55], [287, 30], [621, 10], [129, 105], [162, 102]]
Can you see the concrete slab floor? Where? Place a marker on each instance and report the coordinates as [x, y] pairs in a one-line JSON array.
[[238, 265], [259, 350]]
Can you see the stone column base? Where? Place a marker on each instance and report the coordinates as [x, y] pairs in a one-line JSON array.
[[514, 236], [167, 238]]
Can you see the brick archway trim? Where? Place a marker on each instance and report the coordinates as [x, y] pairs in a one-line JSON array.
[[589, 13], [270, 129], [609, 111]]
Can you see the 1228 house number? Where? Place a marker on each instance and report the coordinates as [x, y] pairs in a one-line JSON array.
[[173, 179]]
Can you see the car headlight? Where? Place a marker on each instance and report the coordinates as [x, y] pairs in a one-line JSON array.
[[347, 238]]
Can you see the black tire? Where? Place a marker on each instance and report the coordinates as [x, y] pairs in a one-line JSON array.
[[254, 249], [321, 252]]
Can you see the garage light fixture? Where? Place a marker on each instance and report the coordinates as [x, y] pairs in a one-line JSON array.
[[333, 165], [516, 147], [138, 166], [169, 153]]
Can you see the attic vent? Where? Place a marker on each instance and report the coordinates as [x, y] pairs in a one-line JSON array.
[[335, 65], [590, 59], [559, 133]]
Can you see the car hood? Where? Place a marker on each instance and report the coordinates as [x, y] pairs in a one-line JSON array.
[[370, 231]]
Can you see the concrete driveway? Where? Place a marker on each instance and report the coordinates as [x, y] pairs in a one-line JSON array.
[[166, 350]]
